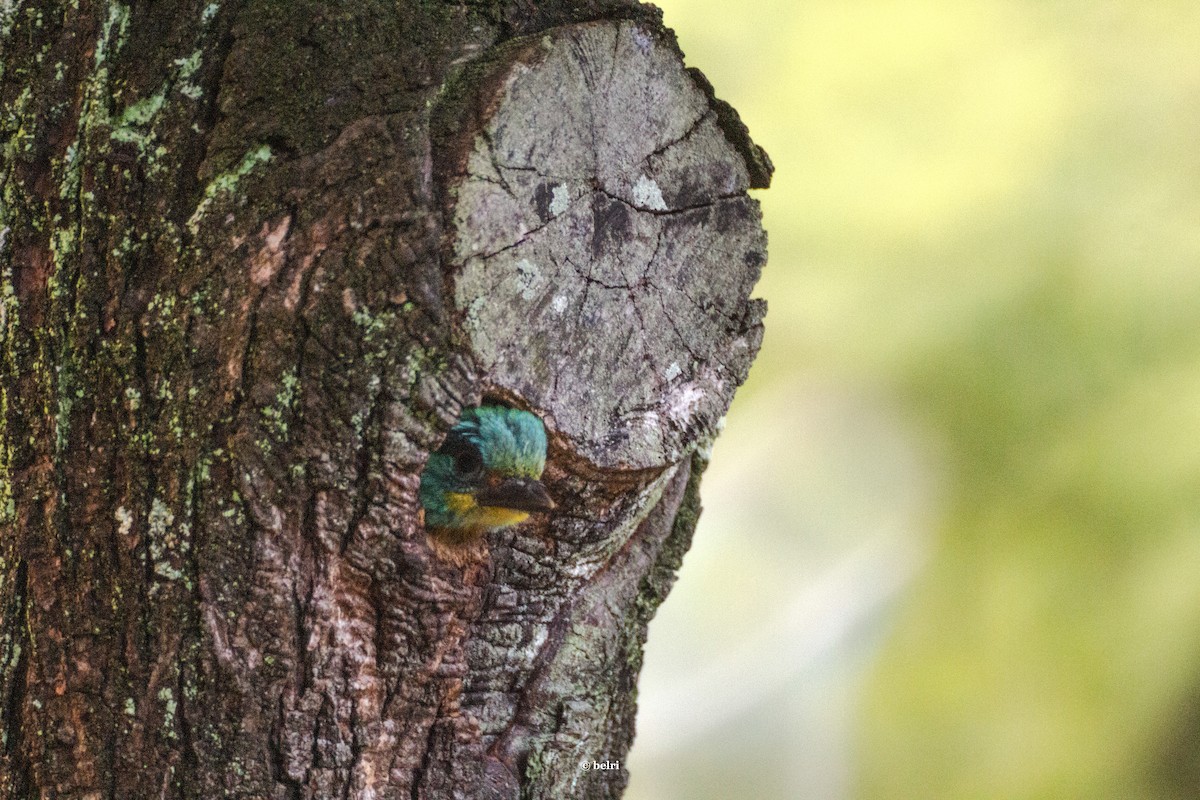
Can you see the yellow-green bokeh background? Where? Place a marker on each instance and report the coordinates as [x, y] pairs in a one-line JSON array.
[[952, 545]]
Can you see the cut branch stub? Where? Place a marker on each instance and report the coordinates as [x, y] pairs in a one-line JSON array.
[[604, 245]]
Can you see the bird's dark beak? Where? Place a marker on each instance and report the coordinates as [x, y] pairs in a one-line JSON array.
[[519, 494]]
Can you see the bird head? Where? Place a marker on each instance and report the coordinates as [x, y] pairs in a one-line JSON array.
[[485, 475]]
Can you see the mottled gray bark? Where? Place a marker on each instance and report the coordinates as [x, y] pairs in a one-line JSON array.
[[256, 257]]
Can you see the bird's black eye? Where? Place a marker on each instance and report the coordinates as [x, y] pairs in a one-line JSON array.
[[467, 461]]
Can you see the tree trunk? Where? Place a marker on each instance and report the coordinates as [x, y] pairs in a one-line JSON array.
[[257, 256]]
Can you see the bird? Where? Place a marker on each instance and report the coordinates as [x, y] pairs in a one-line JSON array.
[[485, 476]]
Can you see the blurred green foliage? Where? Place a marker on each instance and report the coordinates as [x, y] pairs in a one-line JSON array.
[[986, 217]]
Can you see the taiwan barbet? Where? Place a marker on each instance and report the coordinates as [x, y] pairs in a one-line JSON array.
[[485, 475]]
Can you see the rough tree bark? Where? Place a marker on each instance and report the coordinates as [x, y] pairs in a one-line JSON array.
[[257, 255]]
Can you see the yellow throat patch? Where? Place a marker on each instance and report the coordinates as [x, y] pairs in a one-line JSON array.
[[464, 506]]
